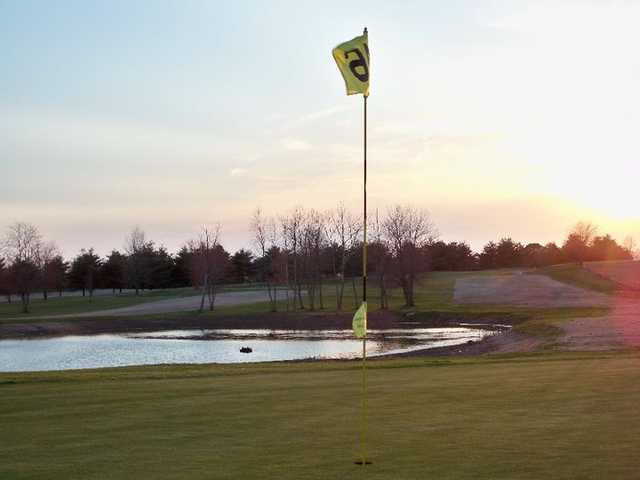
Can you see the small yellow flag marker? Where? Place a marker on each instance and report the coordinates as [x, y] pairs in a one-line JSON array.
[[360, 321]]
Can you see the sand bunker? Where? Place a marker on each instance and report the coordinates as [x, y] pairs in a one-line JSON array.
[[618, 329], [525, 290]]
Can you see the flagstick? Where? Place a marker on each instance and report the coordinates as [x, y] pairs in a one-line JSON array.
[[364, 299]]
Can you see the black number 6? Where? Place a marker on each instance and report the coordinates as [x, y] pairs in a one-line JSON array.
[[359, 62]]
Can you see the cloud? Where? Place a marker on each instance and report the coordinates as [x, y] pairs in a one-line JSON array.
[[295, 144], [325, 112], [238, 172], [307, 118]]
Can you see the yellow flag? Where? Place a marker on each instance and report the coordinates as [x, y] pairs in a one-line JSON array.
[[352, 58], [360, 321]]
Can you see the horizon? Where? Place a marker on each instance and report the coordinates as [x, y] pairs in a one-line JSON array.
[[250, 246], [503, 121]]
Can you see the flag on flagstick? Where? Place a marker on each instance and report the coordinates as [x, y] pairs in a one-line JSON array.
[[352, 58], [360, 321]]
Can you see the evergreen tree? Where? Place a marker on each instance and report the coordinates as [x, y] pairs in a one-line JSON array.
[[161, 267], [242, 266], [112, 271], [181, 271], [84, 271]]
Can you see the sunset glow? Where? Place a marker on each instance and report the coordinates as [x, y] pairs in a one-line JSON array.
[[518, 119]]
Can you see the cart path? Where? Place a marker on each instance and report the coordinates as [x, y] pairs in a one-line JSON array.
[[170, 305]]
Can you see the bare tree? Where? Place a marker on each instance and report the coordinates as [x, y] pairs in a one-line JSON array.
[[344, 231], [629, 244], [265, 237], [285, 259], [134, 246], [292, 236], [4, 280], [379, 258], [580, 238], [313, 240], [22, 246], [210, 262], [585, 231], [408, 230], [48, 254]]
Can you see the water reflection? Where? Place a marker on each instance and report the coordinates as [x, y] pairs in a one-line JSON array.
[[217, 346]]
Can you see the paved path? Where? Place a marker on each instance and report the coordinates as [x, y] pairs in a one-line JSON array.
[[184, 304], [181, 304], [525, 290], [98, 292]]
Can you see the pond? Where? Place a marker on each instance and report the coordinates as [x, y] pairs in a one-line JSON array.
[[218, 346]]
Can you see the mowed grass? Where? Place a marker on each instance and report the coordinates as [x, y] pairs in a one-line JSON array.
[[560, 416]]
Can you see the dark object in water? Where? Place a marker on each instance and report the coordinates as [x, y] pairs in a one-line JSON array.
[[246, 350]]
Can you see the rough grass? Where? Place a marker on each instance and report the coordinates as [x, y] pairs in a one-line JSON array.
[[574, 274], [625, 273], [560, 416]]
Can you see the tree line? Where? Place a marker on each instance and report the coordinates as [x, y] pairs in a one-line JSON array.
[[296, 256], [583, 244]]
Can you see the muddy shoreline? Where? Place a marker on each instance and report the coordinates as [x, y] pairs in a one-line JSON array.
[[281, 321], [268, 321]]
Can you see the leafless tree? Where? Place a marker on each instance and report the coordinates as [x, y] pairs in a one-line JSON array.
[[134, 246], [313, 240], [580, 238], [48, 254], [343, 232], [5, 282], [408, 230], [210, 262], [630, 245], [22, 246], [292, 225], [285, 258], [379, 259], [585, 231], [265, 235], [22, 242]]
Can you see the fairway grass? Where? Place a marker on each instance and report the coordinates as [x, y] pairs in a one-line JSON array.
[[560, 416]]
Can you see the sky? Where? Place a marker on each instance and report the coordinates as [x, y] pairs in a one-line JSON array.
[[501, 118]]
